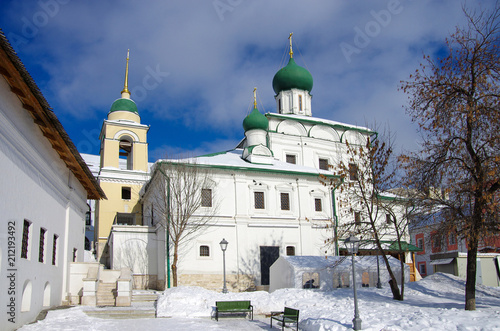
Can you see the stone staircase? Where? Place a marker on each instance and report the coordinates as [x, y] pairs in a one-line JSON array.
[[106, 294], [144, 297], [121, 312], [143, 306]]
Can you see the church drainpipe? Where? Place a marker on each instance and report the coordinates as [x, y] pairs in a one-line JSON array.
[[300, 216], [167, 230], [334, 209]]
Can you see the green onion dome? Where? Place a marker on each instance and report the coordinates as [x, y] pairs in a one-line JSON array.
[[124, 104], [255, 120], [292, 76]]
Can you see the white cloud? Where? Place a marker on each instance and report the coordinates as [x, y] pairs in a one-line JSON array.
[[209, 66]]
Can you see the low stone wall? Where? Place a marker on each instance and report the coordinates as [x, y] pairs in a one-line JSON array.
[[142, 282], [234, 283]]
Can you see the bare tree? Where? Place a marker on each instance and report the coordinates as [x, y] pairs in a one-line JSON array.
[[184, 202], [455, 100], [367, 208]]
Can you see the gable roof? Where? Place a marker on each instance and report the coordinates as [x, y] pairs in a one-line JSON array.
[[23, 86]]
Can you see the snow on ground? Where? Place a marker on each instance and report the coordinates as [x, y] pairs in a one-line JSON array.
[[434, 303]]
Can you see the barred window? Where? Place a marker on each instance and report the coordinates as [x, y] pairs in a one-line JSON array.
[[54, 249], [285, 201], [300, 102], [125, 218], [323, 164], [204, 250], [42, 245], [353, 171], [317, 205], [290, 250], [259, 200], [206, 197], [290, 158], [24, 247]]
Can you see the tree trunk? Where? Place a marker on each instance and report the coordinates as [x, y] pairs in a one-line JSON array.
[[403, 264], [470, 284], [396, 295], [174, 267]]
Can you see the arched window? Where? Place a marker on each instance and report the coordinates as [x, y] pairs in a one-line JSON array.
[[26, 298], [46, 295], [126, 153]]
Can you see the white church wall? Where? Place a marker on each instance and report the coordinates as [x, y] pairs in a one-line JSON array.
[[135, 247], [39, 190]]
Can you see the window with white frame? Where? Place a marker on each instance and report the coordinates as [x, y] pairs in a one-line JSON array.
[[291, 158], [204, 251], [25, 240], [285, 201], [259, 200], [54, 249], [318, 205], [323, 164], [41, 246], [206, 197]]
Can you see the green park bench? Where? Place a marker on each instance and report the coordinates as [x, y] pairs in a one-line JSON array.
[[233, 307], [290, 316]]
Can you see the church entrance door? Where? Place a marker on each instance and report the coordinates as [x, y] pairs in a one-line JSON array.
[[268, 254]]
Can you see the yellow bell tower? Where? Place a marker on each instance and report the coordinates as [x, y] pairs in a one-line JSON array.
[[123, 168]]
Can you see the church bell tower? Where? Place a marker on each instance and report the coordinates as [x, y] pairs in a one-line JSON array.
[[123, 167]]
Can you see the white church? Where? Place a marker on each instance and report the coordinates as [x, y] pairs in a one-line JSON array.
[[264, 197]]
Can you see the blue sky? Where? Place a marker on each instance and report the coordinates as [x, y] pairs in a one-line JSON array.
[[194, 63]]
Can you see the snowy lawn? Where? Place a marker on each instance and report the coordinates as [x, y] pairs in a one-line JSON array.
[[434, 303]]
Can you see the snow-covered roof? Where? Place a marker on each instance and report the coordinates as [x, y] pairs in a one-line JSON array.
[[318, 120], [232, 160], [341, 262]]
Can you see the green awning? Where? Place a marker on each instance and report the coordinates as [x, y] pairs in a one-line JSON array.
[[405, 247]]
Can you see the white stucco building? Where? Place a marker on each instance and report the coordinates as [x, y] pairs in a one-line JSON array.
[[45, 184], [264, 196]]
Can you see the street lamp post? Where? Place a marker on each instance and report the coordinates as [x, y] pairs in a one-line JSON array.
[[352, 244], [223, 246], [379, 284]]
